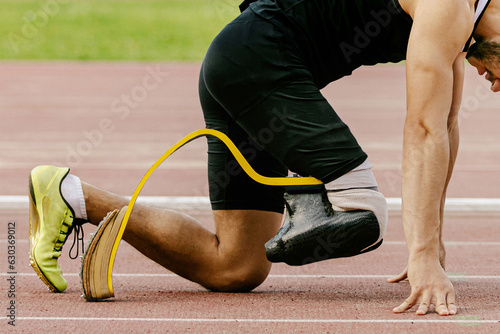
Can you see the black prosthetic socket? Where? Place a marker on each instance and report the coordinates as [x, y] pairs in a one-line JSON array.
[[313, 231]]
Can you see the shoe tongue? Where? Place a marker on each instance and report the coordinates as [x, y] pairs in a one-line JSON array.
[[72, 193]]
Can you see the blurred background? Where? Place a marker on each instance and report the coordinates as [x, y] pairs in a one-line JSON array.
[[153, 30], [104, 87]]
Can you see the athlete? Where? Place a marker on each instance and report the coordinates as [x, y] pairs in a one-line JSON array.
[[260, 84]]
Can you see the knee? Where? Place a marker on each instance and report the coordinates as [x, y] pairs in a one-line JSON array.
[[240, 278]]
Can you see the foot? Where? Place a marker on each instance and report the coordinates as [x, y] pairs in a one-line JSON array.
[[51, 220], [313, 231]]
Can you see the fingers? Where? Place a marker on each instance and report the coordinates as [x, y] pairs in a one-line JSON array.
[[398, 278], [406, 305], [452, 308], [431, 289], [444, 306], [424, 305], [401, 277]]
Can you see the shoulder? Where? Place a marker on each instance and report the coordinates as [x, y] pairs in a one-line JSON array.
[[446, 21], [463, 7]]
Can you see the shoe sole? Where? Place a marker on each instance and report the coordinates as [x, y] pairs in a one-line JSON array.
[[95, 273], [34, 222]]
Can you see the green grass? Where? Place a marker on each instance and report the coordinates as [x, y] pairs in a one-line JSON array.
[[179, 30]]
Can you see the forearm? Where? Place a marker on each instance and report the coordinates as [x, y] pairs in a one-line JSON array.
[[453, 131], [430, 150], [453, 135], [425, 160]]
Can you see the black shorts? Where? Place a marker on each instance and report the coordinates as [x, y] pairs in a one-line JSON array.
[[255, 88]]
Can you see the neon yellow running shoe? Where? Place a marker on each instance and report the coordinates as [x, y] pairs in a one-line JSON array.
[[51, 220]]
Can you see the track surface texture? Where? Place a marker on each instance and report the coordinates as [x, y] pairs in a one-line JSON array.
[[109, 122]]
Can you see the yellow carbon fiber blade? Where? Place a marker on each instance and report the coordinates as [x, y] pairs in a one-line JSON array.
[[271, 181]]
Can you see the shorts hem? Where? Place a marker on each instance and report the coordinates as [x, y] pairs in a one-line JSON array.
[[247, 206], [344, 170]]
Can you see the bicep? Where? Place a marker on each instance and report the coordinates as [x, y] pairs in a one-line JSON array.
[[437, 36]]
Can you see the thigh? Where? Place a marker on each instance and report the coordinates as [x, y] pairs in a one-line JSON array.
[[230, 187], [299, 127]]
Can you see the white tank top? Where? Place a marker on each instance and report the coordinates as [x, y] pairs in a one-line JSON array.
[[481, 6]]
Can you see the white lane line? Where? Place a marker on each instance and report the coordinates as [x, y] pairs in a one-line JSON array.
[[456, 320], [461, 276], [202, 203], [129, 166], [451, 243], [451, 275]]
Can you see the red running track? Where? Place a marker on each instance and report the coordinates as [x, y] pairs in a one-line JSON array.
[[110, 122]]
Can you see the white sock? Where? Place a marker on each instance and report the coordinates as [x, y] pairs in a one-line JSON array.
[[358, 190], [71, 189]]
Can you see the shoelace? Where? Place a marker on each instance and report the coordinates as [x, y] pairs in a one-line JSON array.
[[77, 236]]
